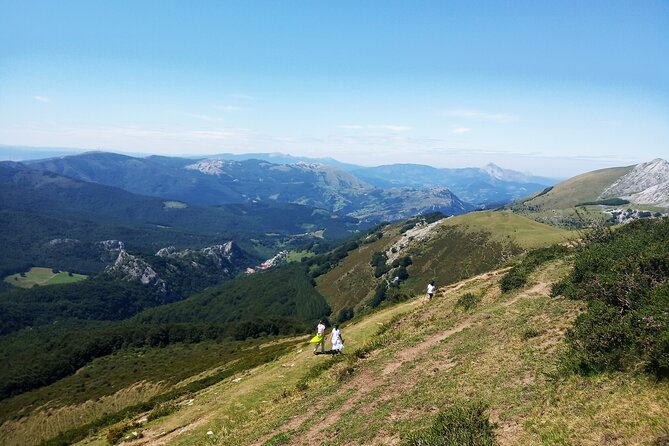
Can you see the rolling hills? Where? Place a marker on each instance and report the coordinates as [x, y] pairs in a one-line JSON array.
[[56, 221], [217, 181], [473, 358]]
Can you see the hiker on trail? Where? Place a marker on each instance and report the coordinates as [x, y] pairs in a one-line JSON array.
[[336, 339], [430, 290], [319, 339]]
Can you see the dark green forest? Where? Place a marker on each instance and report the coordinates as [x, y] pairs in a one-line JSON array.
[[277, 302]]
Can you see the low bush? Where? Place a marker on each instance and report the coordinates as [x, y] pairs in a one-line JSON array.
[[468, 301], [461, 424], [517, 276], [624, 278]]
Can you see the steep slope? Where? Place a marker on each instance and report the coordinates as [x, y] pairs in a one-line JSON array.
[[406, 363], [445, 251], [646, 183]]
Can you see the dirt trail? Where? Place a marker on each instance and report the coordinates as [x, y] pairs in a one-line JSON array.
[[314, 427], [365, 383]]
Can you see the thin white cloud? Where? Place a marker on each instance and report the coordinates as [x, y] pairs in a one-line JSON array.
[[460, 130], [482, 116], [42, 99]]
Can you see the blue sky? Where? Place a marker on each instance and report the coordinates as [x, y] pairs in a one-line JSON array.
[[554, 88]]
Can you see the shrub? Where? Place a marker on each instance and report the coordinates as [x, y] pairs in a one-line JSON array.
[[460, 424], [162, 410], [624, 278], [116, 433], [517, 276], [468, 300]]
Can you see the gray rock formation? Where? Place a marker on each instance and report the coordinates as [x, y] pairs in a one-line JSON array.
[[647, 183]]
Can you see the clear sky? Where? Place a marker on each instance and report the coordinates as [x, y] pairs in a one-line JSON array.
[[551, 87]]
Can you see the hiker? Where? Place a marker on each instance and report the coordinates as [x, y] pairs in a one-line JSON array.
[[319, 339], [336, 339], [430, 290]]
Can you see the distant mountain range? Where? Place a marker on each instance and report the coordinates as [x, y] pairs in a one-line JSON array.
[[58, 221], [484, 187], [217, 182]]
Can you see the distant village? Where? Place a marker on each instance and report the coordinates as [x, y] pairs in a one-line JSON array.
[[269, 263]]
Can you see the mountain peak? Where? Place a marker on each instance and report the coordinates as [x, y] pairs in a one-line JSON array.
[[502, 174]]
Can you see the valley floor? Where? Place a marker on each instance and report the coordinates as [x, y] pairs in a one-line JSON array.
[[405, 363]]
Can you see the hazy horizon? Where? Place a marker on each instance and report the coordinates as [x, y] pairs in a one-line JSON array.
[[555, 89]]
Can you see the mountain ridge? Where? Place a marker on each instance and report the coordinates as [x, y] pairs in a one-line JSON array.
[[216, 182]]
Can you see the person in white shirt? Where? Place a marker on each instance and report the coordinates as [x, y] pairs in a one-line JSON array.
[[430, 290], [319, 339], [336, 339]]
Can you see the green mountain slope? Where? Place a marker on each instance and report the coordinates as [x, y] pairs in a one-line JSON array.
[[445, 251], [580, 189], [284, 292], [557, 205], [405, 364], [504, 355]]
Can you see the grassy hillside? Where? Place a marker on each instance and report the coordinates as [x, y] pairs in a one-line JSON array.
[[408, 363], [474, 362], [352, 281], [509, 227], [454, 249], [557, 205], [580, 189]]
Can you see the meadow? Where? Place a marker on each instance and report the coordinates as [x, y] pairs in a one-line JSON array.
[[42, 276]]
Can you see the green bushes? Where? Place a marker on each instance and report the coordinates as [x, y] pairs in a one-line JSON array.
[[468, 301], [461, 424], [624, 278], [379, 264], [517, 276]]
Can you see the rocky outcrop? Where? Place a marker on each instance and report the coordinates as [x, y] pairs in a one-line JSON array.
[[212, 166], [112, 245], [646, 183], [134, 269], [219, 256]]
